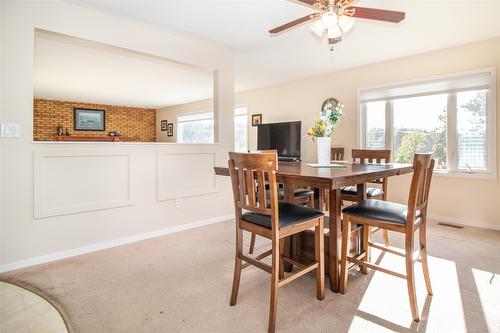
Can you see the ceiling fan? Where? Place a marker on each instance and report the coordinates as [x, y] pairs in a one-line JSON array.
[[336, 18]]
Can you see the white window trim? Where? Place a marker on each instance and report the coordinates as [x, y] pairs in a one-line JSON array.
[[491, 117], [248, 122], [193, 113]]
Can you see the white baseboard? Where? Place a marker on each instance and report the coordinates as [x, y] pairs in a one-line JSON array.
[[109, 244], [466, 223]]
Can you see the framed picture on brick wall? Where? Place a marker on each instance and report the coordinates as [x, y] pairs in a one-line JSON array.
[[89, 120]]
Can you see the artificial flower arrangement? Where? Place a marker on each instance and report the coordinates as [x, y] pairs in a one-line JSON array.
[[330, 114]]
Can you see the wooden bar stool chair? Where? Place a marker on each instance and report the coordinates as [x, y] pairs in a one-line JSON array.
[[405, 219], [364, 156], [337, 153], [301, 196], [367, 156], [269, 218]]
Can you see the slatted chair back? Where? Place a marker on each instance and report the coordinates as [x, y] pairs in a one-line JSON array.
[[364, 156], [267, 151], [423, 166], [367, 156], [337, 153], [249, 173]]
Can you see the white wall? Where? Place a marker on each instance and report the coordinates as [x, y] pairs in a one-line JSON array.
[[461, 200], [1, 117], [73, 205]]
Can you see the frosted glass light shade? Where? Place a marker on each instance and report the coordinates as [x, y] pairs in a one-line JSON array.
[[329, 19], [318, 28], [334, 32], [346, 23]]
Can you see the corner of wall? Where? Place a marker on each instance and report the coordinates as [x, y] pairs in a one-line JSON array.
[[1, 118]]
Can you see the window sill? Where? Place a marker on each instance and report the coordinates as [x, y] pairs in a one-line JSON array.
[[459, 174]]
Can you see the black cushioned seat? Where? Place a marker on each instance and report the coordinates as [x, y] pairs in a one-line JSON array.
[[380, 210], [299, 193], [370, 192], [289, 215]]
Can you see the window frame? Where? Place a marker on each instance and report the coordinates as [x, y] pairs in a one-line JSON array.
[[451, 127], [195, 113], [234, 127]]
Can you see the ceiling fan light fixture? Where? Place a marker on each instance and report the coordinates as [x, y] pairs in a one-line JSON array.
[[329, 19], [318, 28], [334, 32], [346, 23], [335, 18]]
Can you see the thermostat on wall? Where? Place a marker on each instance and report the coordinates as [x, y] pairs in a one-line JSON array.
[[10, 130]]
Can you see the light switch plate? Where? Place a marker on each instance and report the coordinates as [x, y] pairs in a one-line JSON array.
[[10, 130]]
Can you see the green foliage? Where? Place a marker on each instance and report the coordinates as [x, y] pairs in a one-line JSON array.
[[436, 142], [411, 143], [476, 106]]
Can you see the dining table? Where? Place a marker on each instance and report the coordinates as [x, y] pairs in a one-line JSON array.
[[330, 178]]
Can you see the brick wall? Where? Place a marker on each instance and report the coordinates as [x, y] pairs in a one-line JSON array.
[[134, 124]]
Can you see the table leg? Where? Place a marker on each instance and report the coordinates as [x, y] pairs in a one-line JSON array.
[[335, 224], [321, 199], [361, 192]]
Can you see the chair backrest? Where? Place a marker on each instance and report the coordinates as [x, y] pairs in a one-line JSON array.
[[367, 156], [363, 156], [337, 153], [266, 151], [250, 173], [423, 166]]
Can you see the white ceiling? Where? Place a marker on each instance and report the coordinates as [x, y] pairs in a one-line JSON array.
[[262, 60], [72, 69]]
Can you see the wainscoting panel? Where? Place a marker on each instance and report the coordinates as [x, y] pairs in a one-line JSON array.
[[69, 183], [182, 175]]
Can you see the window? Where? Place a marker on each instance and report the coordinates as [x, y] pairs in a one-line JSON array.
[[419, 125], [471, 130], [452, 117], [241, 129], [375, 125], [196, 127]]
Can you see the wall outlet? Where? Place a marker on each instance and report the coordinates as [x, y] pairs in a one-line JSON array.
[[10, 130], [178, 203]]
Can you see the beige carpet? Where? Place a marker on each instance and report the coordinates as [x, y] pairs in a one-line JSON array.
[[182, 282]]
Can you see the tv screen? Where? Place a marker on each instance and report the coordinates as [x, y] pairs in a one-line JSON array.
[[284, 137]]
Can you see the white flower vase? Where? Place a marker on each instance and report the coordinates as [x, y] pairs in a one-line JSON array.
[[324, 145]]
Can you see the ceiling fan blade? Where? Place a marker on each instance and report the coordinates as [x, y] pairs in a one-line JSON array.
[[307, 2], [377, 14], [293, 23]]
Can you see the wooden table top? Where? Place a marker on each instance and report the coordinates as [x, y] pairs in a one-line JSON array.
[[353, 173]]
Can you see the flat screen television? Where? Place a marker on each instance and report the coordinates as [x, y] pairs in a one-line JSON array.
[[284, 137]]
